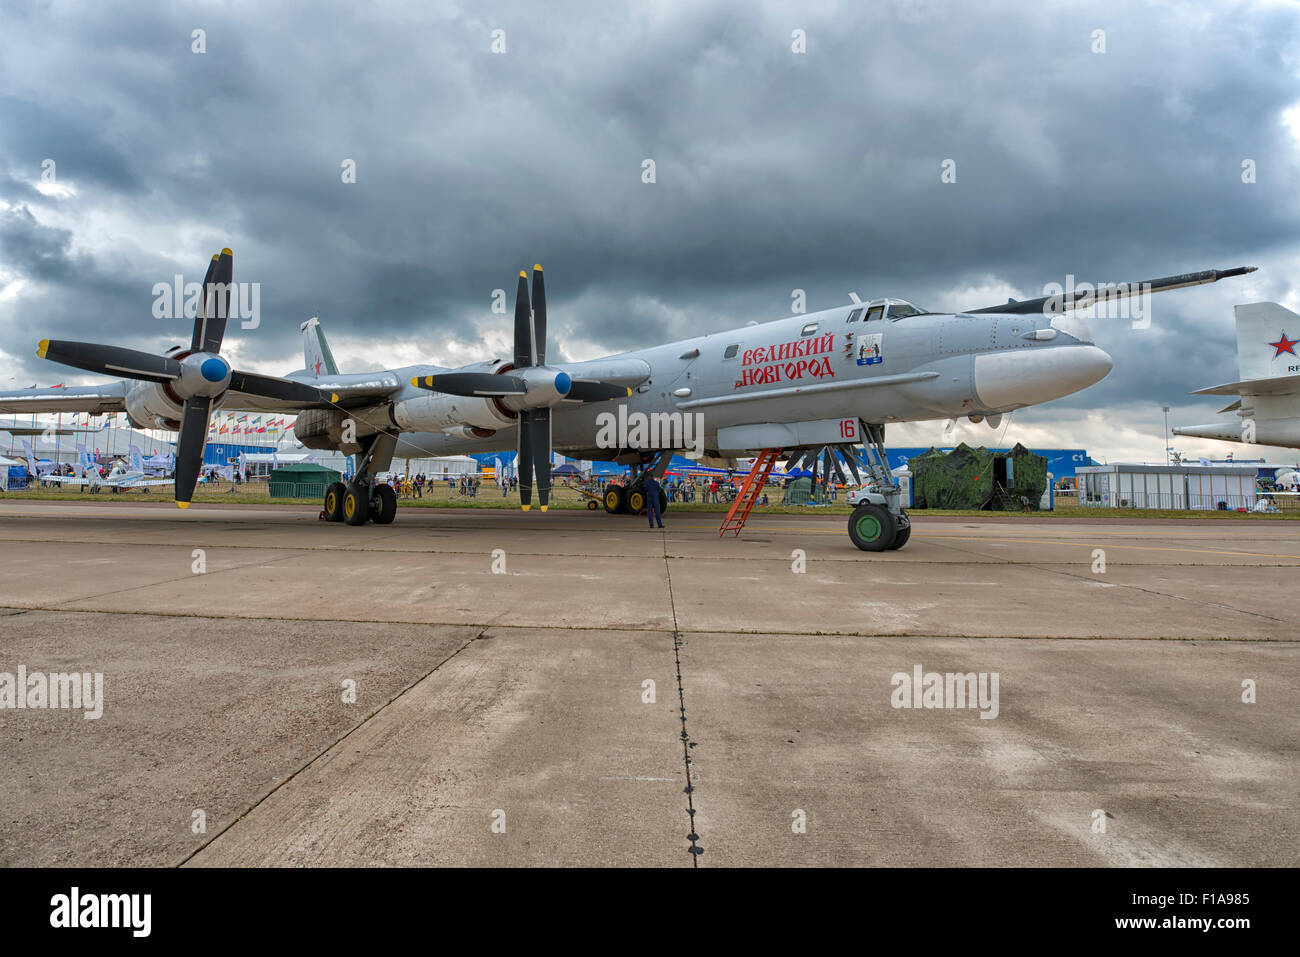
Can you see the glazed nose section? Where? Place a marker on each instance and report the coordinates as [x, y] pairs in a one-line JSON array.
[[1029, 376]]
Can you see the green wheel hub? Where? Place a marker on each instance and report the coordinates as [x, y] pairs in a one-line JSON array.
[[869, 527]]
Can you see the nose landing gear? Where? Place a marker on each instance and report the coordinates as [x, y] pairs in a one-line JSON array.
[[878, 523]]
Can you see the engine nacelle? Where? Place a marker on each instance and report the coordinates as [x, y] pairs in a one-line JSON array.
[[438, 412], [334, 429], [149, 406]]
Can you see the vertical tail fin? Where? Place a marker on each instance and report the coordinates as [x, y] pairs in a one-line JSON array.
[[1268, 341], [316, 353]]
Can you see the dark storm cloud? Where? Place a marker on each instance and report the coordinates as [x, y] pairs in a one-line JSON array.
[[774, 170]]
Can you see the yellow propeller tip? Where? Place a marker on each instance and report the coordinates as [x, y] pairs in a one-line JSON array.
[[227, 252], [537, 267], [629, 391], [334, 397], [522, 274], [216, 256], [42, 347], [543, 508], [182, 504], [525, 507], [415, 380]]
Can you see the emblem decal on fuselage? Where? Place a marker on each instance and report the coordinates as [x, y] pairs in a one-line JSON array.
[[869, 352]]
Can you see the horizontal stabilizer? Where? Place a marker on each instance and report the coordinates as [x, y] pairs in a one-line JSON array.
[[1277, 385]]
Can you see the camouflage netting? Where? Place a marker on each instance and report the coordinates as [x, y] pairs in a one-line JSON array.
[[1028, 473], [797, 492], [965, 478]]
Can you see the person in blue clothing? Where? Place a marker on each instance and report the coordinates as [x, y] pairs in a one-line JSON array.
[[652, 510]]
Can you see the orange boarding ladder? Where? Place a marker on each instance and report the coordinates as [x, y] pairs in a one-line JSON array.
[[749, 493]]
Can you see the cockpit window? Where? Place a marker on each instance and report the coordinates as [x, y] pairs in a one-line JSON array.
[[875, 312], [854, 316], [901, 310]]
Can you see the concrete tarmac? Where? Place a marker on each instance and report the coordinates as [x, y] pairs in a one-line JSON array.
[[493, 687]]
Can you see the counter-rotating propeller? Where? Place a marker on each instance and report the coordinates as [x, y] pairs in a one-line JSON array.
[[197, 376]]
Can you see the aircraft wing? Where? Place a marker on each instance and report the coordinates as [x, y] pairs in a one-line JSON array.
[[1276, 385], [96, 399], [355, 390], [1053, 305], [65, 479], [137, 483]]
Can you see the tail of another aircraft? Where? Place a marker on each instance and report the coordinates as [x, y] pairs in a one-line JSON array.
[[316, 354], [1268, 392], [1268, 341]]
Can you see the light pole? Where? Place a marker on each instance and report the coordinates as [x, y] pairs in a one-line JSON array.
[[1165, 409]]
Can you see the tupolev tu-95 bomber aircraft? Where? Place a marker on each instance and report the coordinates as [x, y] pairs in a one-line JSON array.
[[834, 378]]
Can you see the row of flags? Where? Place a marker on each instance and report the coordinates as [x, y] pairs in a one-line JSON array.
[[231, 424], [223, 423]]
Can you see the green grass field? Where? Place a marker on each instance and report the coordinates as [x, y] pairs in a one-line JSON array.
[[563, 497]]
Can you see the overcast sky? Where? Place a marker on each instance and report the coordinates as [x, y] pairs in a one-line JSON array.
[[775, 170]]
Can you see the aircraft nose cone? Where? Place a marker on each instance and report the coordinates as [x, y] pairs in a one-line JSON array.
[[1027, 377]]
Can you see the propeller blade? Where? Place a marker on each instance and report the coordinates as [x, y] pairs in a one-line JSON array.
[[539, 314], [472, 383], [214, 326], [596, 392], [525, 353], [196, 338], [834, 458], [273, 387], [189, 447], [525, 464], [540, 425], [851, 460], [110, 360]]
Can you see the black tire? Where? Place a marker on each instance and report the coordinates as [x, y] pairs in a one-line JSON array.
[[356, 506], [900, 537], [663, 501], [592, 505], [871, 528], [615, 499], [334, 501], [387, 501], [636, 501]]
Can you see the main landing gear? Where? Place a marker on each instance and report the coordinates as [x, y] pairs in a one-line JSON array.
[[363, 499], [878, 523], [630, 498]]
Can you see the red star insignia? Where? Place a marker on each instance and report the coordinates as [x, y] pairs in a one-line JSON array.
[[1284, 345]]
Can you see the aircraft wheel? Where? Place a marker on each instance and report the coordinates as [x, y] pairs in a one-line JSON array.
[[615, 499], [592, 505], [636, 501], [356, 506], [386, 509], [872, 528], [901, 536], [334, 501]]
